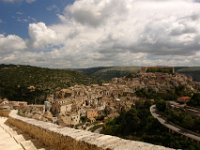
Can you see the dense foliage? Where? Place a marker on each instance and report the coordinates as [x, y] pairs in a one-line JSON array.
[[160, 69], [161, 105], [183, 119], [169, 95], [104, 74], [138, 124], [195, 100], [16, 80]]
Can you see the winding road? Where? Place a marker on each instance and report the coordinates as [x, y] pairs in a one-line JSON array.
[[172, 127]]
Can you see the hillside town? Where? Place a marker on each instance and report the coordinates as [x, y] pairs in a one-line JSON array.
[[80, 106]]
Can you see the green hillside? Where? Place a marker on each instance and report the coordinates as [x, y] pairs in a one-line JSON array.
[[194, 72], [15, 80], [102, 74]]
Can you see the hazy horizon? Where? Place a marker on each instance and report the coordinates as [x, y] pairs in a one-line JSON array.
[[97, 66]]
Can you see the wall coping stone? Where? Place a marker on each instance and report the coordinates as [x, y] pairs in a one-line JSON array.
[[100, 140]]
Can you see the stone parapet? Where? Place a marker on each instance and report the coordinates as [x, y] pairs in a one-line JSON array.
[[64, 138], [4, 113]]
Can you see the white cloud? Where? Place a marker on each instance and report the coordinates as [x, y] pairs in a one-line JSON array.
[[11, 43], [11, 47], [41, 36], [104, 30], [116, 32]]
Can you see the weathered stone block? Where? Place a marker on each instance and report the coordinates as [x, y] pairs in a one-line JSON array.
[[65, 138]]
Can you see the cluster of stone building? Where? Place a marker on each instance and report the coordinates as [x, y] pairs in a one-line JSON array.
[[92, 102], [164, 82], [79, 104], [6, 104], [107, 100], [32, 111]]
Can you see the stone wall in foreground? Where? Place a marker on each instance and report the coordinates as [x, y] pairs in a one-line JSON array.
[[64, 138], [4, 113]]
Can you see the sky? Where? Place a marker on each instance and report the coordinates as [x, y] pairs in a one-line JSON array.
[[89, 33]]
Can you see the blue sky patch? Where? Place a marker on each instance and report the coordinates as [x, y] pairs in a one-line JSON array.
[[16, 16]]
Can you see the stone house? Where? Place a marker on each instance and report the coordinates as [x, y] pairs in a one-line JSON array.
[[82, 112], [75, 119], [92, 114], [63, 94], [47, 105], [4, 105], [18, 104], [71, 119], [4, 102], [32, 110], [65, 109]]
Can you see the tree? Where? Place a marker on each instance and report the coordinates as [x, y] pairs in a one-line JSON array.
[[188, 122], [195, 100], [161, 105], [130, 122]]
